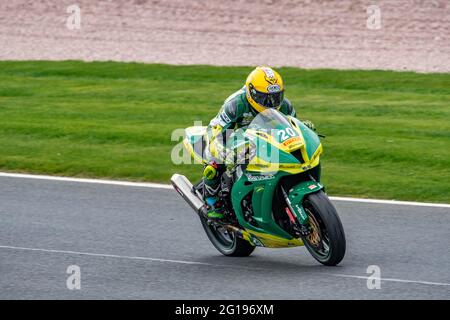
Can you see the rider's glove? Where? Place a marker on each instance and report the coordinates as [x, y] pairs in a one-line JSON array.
[[210, 171], [309, 124]]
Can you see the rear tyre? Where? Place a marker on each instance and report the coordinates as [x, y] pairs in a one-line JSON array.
[[226, 241], [326, 243]]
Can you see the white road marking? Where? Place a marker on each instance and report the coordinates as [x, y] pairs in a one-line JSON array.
[[394, 202], [167, 186], [82, 180], [202, 263], [390, 279], [122, 257]]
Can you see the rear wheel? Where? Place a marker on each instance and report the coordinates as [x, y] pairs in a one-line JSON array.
[[326, 243], [226, 241]]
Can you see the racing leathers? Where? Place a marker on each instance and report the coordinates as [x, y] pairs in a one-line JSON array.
[[235, 113]]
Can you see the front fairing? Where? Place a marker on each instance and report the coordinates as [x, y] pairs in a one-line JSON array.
[[283, 146], [275, 142]]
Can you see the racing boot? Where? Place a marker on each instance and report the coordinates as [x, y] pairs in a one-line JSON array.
[[211, 178], [215, 208]]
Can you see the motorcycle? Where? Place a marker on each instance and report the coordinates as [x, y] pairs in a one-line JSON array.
[[271, 190]]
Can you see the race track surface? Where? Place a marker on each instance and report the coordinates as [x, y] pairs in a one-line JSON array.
[[146, 243]]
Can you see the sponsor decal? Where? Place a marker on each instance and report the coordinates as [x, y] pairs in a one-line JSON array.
[[269, 73], [260, 178], [303, 216], [291, 140], [312, 187], [257, 242], [307, 167], [289, 166], [222, 123], [225, 117], [259, 189], [273, 88]]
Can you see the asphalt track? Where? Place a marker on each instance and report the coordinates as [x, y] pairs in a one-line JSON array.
[[146, 243]]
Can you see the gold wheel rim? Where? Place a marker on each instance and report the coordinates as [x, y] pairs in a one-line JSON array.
[[314, 237]]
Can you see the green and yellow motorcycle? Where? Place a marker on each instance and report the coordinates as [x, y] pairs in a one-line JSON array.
[[271, 190]]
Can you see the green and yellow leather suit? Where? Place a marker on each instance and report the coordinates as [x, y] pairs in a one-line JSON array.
[[235, 113]]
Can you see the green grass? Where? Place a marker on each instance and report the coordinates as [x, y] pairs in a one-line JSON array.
[[388, 133]]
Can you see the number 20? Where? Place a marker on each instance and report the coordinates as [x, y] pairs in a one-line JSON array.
[[286, 133]]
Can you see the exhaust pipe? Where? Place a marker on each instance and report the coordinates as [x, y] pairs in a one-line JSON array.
[[184, 187]]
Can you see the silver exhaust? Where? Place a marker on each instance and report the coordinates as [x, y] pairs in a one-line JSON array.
[[184, 187]]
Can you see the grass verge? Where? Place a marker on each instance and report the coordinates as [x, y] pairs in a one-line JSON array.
[[387, 133]]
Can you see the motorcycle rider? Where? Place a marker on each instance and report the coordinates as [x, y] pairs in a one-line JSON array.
[[264, 88]]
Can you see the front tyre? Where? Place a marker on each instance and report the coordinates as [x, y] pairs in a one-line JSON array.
[[226, 241], [326, 243]]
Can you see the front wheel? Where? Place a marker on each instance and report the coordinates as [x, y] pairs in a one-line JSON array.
[[226, 241], [326, 242]]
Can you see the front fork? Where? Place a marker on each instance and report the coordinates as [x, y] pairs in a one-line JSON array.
[[300, 223]]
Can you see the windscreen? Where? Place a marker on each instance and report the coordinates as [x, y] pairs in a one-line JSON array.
[[274, 123]]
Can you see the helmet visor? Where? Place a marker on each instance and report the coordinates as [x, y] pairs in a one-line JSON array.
[[267, 100]]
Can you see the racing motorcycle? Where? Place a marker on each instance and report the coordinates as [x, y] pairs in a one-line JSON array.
[[271, 190]]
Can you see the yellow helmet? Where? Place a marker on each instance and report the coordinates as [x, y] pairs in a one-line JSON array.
[[264, 89]]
